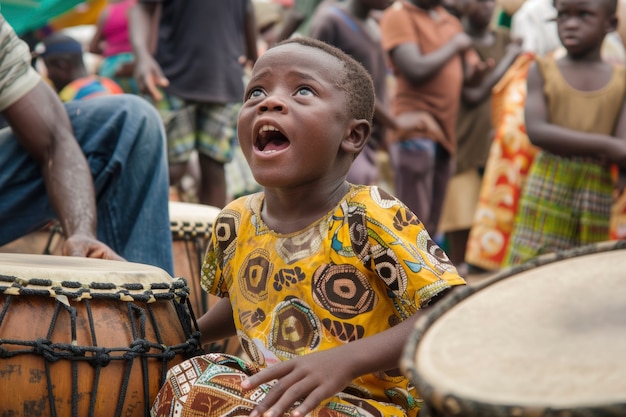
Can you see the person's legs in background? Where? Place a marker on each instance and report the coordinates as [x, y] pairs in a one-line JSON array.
[[413, 162], [216, 132]]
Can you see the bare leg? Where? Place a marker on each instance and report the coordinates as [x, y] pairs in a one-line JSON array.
[[212, 189]]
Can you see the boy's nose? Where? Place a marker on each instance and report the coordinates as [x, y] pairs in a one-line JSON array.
[[272, 103]]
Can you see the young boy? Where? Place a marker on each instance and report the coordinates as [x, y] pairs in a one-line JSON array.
[[321, 280], [431, 58], [575, 114]]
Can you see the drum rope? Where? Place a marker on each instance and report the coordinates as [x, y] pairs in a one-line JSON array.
[[176, 292]]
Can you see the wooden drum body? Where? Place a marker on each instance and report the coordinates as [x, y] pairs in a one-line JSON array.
[[87, 337], [547, 338], [191, 225]]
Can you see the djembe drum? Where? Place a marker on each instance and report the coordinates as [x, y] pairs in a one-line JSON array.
[[547, 338], [88, 337], [191, 225]]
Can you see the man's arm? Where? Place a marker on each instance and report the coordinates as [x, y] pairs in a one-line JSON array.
[[40, 122], [251, 33], [148, 73]]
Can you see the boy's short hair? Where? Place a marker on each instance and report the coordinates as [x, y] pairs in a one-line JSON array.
[[356, 82]]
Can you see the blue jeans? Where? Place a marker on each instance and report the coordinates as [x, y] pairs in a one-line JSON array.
[[123, 140]]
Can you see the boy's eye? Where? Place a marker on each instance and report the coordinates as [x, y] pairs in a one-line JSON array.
[[255, 93], [304, 91]]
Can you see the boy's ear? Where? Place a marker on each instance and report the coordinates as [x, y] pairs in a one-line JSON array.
[[357, 136]]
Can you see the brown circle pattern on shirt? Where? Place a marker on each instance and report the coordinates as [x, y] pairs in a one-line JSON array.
[[295, 329], [343, 290]]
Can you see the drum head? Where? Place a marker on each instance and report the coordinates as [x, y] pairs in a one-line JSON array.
[[191, 219], [548, 338], [82, 277], [73, 267]]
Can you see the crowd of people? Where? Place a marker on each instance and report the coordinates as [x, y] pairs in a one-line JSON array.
[[502, 128]]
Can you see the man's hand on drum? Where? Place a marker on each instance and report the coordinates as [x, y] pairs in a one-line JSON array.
[[87, 246]]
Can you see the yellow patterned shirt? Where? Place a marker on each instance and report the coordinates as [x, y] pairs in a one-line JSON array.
[[366, 266]]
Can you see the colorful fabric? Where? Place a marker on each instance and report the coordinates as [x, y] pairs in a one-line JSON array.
[[115, 28], [366, 266], [565, 203], [208, 127], [210, 385], [89, 87], [618, 217], [509, 160], [109, 66]]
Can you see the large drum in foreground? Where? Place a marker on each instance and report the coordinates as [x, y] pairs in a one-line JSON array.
[[87, 337], [544, 339]]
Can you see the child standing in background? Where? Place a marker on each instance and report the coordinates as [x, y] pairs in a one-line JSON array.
[[321, 280], [575, 114], [474, 127], [431, 57]]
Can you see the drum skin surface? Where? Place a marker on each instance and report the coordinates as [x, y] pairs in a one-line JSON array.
[[87, 337], [547, 338]]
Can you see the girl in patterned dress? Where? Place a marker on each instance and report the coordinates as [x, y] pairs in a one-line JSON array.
[[321, 280]]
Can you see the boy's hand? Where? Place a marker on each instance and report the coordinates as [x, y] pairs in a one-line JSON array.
[[307, 380]]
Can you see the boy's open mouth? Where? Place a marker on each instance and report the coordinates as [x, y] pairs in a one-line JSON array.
[[270, 139]]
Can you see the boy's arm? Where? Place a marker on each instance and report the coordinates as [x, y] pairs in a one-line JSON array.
[[313, 378], [474, 95], [217, 323], [419, 68], [558, 139]]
